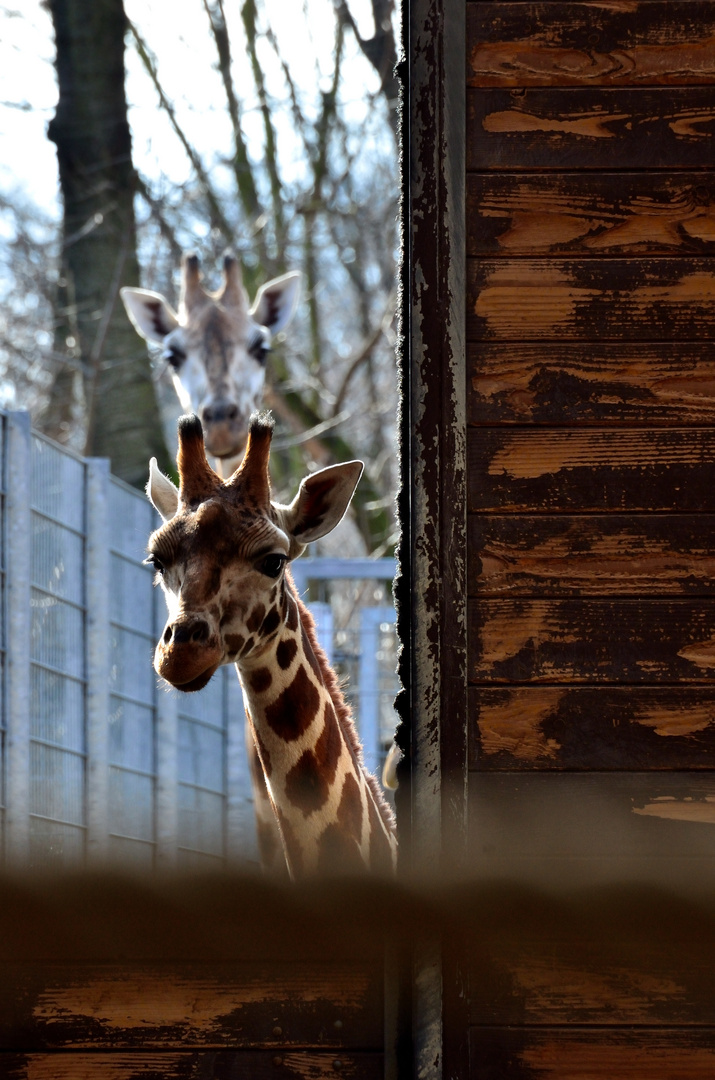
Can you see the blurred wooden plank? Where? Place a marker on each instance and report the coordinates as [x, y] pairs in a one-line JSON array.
[[644, 299], [585, 641], [593, 1053], [590, 213], [185, 1065], [585, 727], [568, 44], [560, 555], [514, 470], [144, 1005], [590, 128], [595, 382]]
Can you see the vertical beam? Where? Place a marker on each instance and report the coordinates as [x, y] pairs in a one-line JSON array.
[[18, 531], [434, 235], [97, 590]]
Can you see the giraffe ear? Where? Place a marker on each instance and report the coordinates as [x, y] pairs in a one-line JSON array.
[[321, 502], [162, 494], [150, 314], [276, 301]]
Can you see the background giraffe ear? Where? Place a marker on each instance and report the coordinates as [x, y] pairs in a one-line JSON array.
[[321, 502], [151, 315], [162, 494], [276, 301]]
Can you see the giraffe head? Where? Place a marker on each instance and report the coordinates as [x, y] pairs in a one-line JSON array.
[[216, 345], [222, 551]]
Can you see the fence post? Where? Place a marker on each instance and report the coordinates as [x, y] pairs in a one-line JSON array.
[[97, 591], [18, 533]]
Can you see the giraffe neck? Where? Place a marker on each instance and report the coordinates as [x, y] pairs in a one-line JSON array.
[[331, 813]]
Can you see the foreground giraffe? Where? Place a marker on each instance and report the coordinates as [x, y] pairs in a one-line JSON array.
[[222, 556], [216, 347]]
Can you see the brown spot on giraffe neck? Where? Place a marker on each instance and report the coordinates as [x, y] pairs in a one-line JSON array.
[[295, 708], [292, 616], [256, 617], [260, 679], [234, 644], [308, 783], [285, 653], [349, 815], [309, 653], [270, 623]]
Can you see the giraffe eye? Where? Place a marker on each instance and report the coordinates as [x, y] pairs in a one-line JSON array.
[[271, 565], [157, 564], [173, 355], [259, 350]]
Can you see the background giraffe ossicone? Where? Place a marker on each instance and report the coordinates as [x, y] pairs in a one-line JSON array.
[[216, 347], [222, 559]]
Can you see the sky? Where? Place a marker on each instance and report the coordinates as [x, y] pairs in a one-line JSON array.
[[177, 31]]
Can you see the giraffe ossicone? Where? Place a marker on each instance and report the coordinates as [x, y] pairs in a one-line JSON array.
[[216, 346], [222, 558]]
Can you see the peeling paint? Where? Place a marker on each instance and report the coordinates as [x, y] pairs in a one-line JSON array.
[[679, 721], [679, 810], [515, 726], [592, 125], [702, 653]]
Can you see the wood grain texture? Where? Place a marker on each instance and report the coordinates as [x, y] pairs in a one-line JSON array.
[[594, 1053], [585, 641], [590, 213], [614, 815], [560, 555], [590, 299], [514, 470], [589, 383], [80, 1006], [548, 728], [185, 1065], [557, 129], [562, 44]]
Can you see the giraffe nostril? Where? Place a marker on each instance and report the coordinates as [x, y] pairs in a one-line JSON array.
[[167, 634], [200, 632], [220, 412]]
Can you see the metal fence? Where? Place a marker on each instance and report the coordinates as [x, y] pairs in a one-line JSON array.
[[98, 759]]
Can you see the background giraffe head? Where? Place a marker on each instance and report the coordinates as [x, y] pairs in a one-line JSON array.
[[216, 345], [222, 551]]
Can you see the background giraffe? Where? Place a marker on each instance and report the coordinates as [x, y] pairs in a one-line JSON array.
[[221, 557]]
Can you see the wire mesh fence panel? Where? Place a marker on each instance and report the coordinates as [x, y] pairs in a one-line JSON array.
[[202, 777]]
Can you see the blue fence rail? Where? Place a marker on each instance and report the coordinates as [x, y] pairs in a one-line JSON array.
[[98, 759]]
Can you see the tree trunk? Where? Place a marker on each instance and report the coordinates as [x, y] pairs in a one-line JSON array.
[[91, 132]]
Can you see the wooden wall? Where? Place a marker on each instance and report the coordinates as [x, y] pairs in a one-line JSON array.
[[590, 193]]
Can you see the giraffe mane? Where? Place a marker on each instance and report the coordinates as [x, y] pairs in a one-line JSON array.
[[343, 711]]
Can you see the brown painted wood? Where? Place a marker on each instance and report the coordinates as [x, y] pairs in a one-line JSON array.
[[590, 299], [590, 213], [588, 383], [549, 728], [585, 641], [599, 1054], [581, 555], [575, 44], [514, 470], [669, 128], [547, 816], [185, 1065], [239, 1005]]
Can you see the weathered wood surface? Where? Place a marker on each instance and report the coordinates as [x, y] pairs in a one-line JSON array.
[[591, 1054], [606, 43], [561, 555], [187, 1065], [236, 1005], [514, 470], [669, 128], [585, 641], [590, 383], [649, 299], [590, 213], [587, 815], [591, 727]]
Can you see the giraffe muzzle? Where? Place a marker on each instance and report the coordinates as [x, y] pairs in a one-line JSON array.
[[186, 655], [225, 429]]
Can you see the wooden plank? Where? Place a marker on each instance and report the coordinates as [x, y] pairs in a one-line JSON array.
[[605, 44], [591, 1054], [560, 555], [589, 383], [590, 213], [591, 641], [585, 727], [143, 1005], [514, 470], [590, 129], [185, 1065], [648, 299], [615, 815]]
